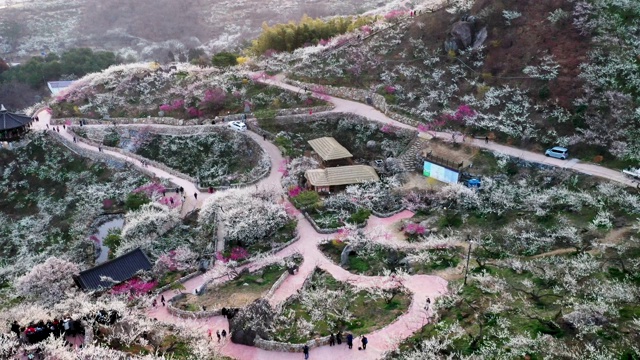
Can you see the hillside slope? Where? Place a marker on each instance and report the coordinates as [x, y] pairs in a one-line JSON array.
[[553, 72]]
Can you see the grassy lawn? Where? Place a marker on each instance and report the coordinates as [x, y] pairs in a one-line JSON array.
[[368, 314], [353, 135], [235, 293]]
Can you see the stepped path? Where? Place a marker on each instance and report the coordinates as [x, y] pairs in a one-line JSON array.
[[420, 286]]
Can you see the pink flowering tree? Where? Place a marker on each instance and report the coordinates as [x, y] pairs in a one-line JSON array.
[[180, 259], [48, 282], [150, 190], [134, 287]]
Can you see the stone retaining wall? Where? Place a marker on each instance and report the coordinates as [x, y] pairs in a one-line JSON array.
[[277, 284], [288, 347], [162, 120], [360, 95], [327, 231], [180, 281], [389, 214]]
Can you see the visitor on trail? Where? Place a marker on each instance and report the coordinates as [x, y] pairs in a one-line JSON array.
[[428, 304], [332, 340], [162, 299], [16, 328], [154, 303], [74, 139], [164, 193], [171, 200], [305, 351], [365, 341], [224, 334], [209, 334], [218, 335], [264, 137], [350, 341], [181, 190], [210, 190], [486, 139], [195, 195], [64, 127], [99, 148], [339, 337]]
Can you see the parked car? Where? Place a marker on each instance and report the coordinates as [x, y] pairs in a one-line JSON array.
[[238, 125], [558, 152]]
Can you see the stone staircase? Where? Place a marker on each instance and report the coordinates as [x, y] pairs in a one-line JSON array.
[[409, 158]]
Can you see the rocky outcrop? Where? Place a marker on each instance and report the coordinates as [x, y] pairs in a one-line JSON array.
[[465, 33]]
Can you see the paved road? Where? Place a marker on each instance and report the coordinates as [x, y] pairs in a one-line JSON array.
[[354, 107]]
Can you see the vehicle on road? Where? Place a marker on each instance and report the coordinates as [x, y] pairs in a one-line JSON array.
[[557, 152], [238, 125]]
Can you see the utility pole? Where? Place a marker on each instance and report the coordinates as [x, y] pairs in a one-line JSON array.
[[466, 269]]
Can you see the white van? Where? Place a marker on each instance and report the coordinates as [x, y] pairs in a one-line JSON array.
[[238, 125]]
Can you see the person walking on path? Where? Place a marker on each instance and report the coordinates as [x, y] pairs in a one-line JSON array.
[[350, 341], [210, 334], [162, 299], [339, 337], [364, 342], [428, 303], [74, 139], [305, 351], [224, 334], [154, 303], [486, 139], [16, 328], [195, 195], [332, 340], [218, 335]]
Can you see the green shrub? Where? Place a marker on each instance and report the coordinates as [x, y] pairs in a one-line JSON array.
[[359, 216], [111, 139], [135, 201], [288, 37], [306, 199], [224, 59]]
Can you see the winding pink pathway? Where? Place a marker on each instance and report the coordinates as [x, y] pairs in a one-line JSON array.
[[421, 286], [387, 338]]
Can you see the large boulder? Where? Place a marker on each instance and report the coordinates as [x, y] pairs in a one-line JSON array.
[[462, 33], [252, 321]]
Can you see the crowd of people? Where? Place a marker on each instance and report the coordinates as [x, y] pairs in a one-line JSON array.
[[36, 332]]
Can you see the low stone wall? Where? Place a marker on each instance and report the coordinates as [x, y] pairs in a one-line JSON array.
[[162, 120], [179, 281], [389, 214], [215, 312], [189, 314], [277, 284], [288, 347], [327, 231], [377, 101]]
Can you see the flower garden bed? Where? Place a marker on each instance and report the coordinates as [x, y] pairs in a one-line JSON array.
[[329, 306], [377, 258]]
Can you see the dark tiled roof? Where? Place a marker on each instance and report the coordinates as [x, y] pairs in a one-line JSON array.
[[10, 121], [119, 269]]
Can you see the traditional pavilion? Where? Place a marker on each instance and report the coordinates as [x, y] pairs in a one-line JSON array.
[[13, 126], [336, 178], [114, 271], [330, 152]]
